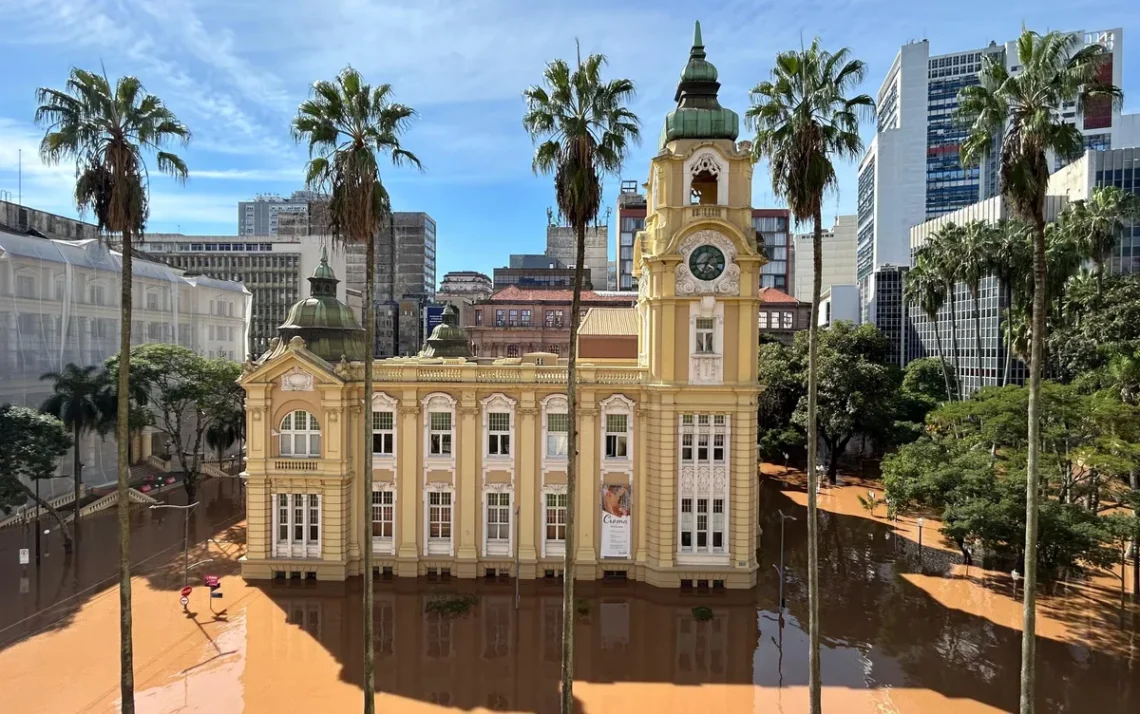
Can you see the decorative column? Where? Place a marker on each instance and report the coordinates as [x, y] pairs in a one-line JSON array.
[[408, 486], [467, 482], [661, 493], [354, 465], [589, 479], [744, 491], [640, 492], [526, 485], [258, 520]]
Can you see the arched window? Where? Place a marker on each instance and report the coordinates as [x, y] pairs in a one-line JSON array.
[[512, 350], [300, 435]]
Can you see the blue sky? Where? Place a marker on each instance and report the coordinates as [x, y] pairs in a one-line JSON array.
[[235, 70]]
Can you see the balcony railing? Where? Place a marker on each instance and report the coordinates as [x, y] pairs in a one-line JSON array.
[[296, 465], [698, 212], [503, 374]]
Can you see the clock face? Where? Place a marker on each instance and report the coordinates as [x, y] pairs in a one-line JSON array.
[[706, 262]]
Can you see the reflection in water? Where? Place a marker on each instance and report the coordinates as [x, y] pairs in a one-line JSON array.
[[903, 631]]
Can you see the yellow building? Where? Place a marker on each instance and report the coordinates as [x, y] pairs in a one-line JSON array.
[[468, 456]]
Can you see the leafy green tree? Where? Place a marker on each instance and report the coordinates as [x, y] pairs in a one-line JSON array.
[[925, 377], [185, 395], [108, 131], [804, 118], [348, 125], [34, 443], [1108, 330], [228, 429], [582, 128], [782, 386], [1099, 222], [857, 389], [1025, 110], [77, 400]]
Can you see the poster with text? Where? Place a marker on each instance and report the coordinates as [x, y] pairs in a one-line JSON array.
[[617, 507]]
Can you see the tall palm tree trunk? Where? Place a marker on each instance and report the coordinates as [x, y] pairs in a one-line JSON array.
[[77, 470], [942, 359], [1008, 335], [814, 690], [1037, 350], [366, 471], [123, 437], [957, 356], [567, 702], [978, 358]]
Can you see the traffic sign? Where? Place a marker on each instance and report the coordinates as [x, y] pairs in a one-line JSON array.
[[184, 600], [25, 556], [212, 581], [186, 591]]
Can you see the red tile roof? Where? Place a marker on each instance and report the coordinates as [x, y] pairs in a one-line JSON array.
[[772, 295], [513, 293]]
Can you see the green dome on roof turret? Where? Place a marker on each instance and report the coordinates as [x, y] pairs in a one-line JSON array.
[[448, 339], [327, 325], [698, 114]]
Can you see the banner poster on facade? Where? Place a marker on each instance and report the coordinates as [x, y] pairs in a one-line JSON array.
[[617, 505]]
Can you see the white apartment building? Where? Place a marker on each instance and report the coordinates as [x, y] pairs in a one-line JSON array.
[[59, 304], [838, 258]]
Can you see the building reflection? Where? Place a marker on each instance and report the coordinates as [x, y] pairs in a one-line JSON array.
[[506, 659]]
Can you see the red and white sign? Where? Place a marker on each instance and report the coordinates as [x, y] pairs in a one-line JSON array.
[[186, 591], [212, 581]]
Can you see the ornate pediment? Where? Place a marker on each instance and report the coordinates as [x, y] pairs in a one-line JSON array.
[[297, 380], [726, 283]]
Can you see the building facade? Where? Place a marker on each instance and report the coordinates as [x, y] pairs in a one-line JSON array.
[[272, 268], [262, 216], [630, 220], [561, 242], [881, 303], [24, 220], [912, 170], [782, 316], [462, 289], [1113, 167], [772, 226], [838, 257], [59, 304], [515, 320], [468, 456]]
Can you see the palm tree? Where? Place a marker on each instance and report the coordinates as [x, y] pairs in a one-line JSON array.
[[976, 248], [226, 431], [75, 401], [803, 119], [107, 131], [582, 129], [1009, 262], [1099, 223], [348, 125], [945, 255], [927, 292], [1025, 111]]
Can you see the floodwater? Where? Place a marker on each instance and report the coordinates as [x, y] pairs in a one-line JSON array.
[[903, 630]]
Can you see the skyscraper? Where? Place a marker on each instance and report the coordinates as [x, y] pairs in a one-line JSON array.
[[912, 170], [772, 234], [630, 219], [259, 217]]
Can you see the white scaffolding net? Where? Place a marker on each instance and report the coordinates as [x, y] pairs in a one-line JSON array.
[[59, 304]]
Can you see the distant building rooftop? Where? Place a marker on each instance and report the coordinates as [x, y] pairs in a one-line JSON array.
[[609, 321], [774, 296]]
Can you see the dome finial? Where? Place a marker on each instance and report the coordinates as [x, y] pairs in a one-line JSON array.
[[697, 35]]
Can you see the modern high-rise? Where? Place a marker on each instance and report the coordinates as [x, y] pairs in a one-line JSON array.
[[838, 243], [912, 170], [273, 268], [631, 209], [561, 243], [260, 217], [1115, 167], [772, 234]]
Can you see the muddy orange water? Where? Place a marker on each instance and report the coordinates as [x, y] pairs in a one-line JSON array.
[[903, 630]]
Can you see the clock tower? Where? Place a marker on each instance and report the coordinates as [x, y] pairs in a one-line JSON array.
[[698, 276]]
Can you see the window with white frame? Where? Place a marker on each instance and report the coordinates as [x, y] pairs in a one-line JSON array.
[[499, 434], [557, 434], [617, 436], [297, 525], [706, 328], [439, 433], [763, 320], [556, 518], [439, 516], [383, 514], [788, 321], [702, 502], [498, 522], [383, 433], [300, 435]]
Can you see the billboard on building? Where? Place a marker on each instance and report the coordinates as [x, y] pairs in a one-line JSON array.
[[617, 510], [433, 316]]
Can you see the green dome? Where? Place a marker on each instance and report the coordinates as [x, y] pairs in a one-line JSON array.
[[327, 325], [448, 339], [698, 114]]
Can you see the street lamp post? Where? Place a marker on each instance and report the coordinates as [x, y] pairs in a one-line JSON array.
[[921, 522], [783, 519], [185, 536]]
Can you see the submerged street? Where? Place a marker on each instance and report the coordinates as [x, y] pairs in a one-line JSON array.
[[902, 631]]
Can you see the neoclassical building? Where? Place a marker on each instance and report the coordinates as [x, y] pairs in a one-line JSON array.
[[468, 454]]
